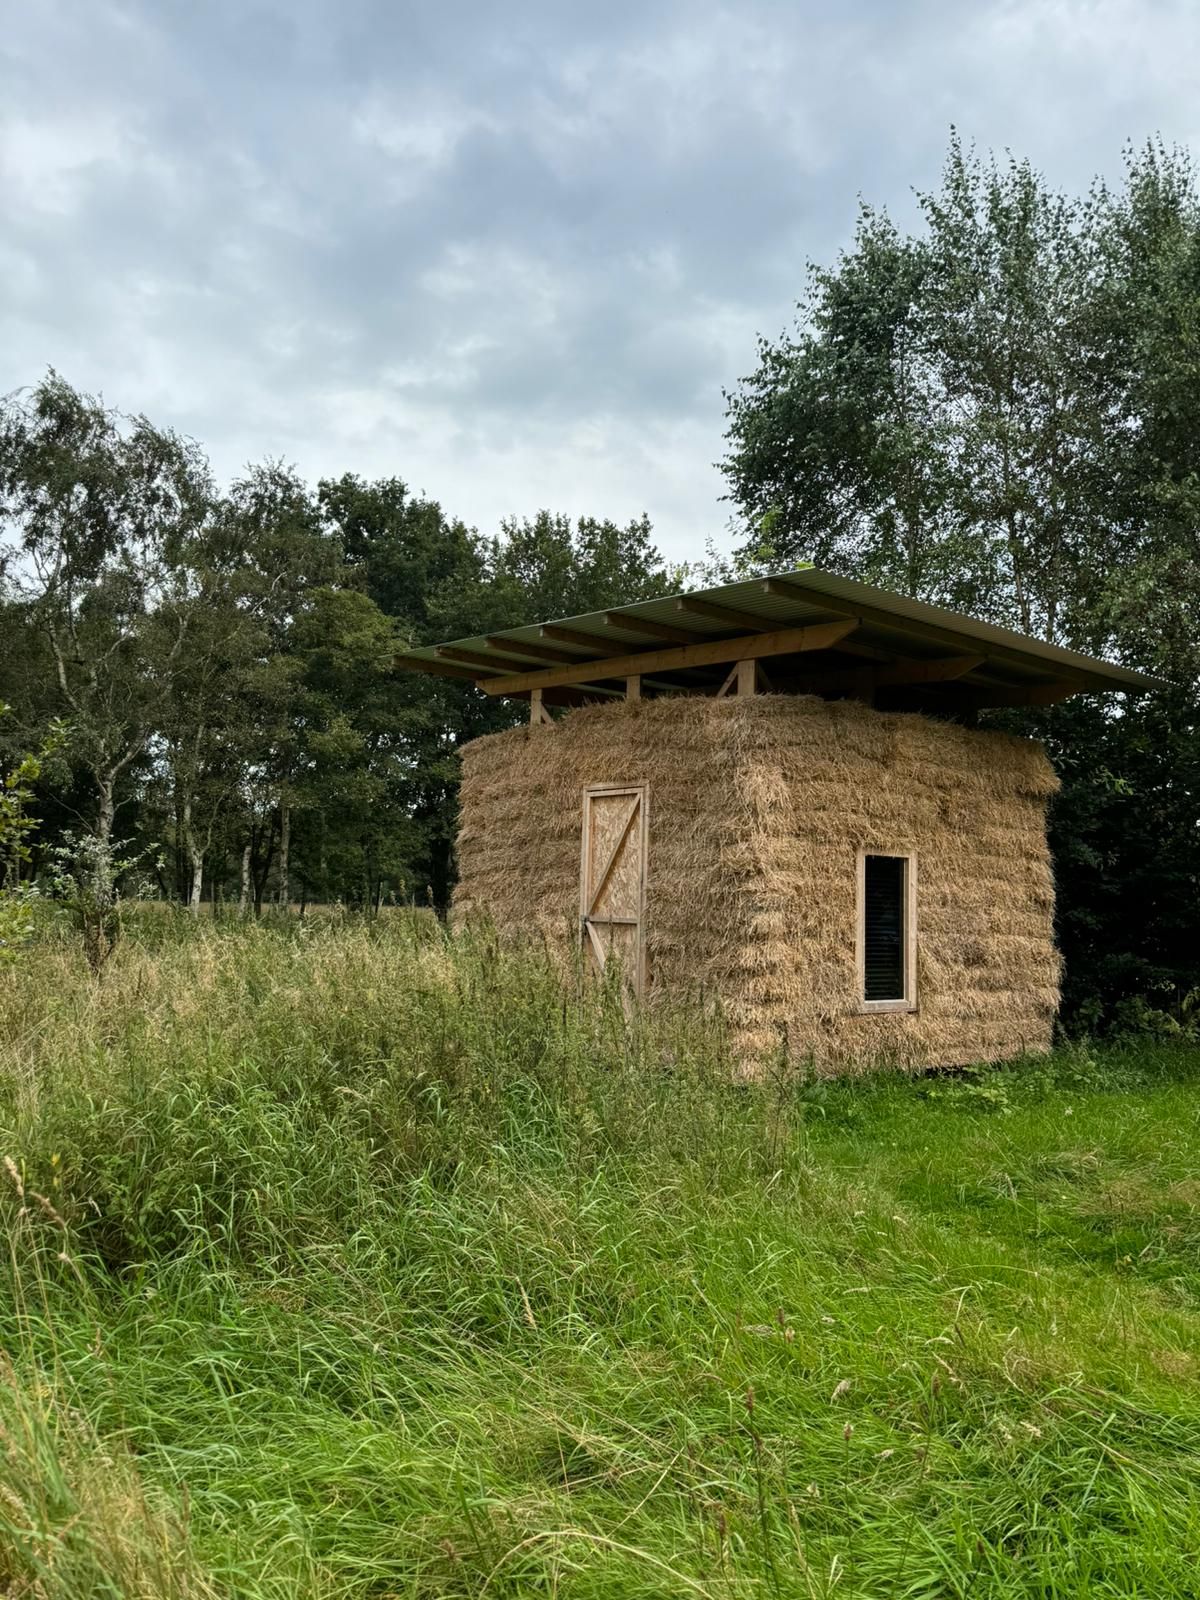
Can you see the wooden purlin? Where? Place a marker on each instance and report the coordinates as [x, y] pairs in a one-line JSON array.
[[439, 669], [522, 647], [707, 653], [585, 641], [471, 658], [715, 612], [866, 678], [1037, 694], [652, 630], [930, 632]]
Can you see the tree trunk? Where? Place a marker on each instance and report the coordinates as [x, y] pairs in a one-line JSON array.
[[440, 874], [244, 896], [285, 839], [195, 858], [260, 866], [107, 809]]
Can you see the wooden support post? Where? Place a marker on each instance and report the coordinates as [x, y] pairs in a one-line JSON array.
[[633, 688], [537, 711], [745, 677]]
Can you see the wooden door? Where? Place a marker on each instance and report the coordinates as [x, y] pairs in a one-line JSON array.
[[613, 880]]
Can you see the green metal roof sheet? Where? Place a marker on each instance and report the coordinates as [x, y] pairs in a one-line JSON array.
[[904, 628]]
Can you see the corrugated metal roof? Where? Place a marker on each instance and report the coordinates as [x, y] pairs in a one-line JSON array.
[[889, 625]]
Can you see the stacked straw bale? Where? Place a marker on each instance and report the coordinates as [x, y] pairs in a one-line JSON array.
[[758, 808]]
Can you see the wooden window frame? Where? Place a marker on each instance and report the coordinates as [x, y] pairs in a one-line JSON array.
[[908, 1003], [642, 790]]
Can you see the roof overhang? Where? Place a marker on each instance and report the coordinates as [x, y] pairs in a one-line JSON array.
[[815, 633]]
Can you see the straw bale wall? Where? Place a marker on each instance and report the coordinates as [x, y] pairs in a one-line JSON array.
[[757, 810]]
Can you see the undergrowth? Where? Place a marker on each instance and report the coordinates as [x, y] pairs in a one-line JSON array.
[[346, 1260]]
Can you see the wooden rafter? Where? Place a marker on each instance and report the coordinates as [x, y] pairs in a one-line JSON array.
[[706, 653], [470, 658], [877, 617], [942, 670], [522, 647], [866, 678], [585, 641], [441, 669], [989, 698], [719, 613], [650, 629]]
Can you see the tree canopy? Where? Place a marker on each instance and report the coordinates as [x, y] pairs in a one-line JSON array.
[[223, 662], [1000, 412]]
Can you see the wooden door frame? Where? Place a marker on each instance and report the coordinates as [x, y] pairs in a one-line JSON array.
[[642, 791]]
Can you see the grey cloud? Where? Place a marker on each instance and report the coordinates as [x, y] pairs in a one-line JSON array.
[[511, 253]]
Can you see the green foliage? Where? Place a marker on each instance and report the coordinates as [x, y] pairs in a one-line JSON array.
[[226, 661], [1000, 413], [84, 877], [18, 900], [102, 512], [379, 1264]]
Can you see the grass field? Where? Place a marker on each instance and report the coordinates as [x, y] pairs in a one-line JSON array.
[[343, 1262]]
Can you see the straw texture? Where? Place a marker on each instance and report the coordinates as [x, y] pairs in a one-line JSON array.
[[758, 808]]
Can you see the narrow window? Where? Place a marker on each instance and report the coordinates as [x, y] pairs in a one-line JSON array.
[[886, 932]]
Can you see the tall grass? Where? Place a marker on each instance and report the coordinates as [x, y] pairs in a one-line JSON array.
[[348, 1260]]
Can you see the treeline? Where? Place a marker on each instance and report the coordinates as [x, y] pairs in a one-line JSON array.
[[223, 661], [999, 411]]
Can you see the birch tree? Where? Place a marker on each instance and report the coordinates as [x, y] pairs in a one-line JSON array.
[[102, 514]]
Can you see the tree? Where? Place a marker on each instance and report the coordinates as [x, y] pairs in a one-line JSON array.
[[1001, 413], [105, 511], [545, 566], [284, 552], [16, 826], [227, 662], [425, 572]]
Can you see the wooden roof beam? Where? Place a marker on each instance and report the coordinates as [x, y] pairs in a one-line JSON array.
[[944, 669], [986, 698], [577, 694], [522, 647], [864, 680], [470, 658], [440, 669], [931, 633], [585, 641], [650, 629], [697, 607], [705, 653]]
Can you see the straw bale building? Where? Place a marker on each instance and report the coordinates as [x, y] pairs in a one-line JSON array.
[[774, 795]]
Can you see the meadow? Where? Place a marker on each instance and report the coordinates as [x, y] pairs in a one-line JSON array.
[[346, 1259]]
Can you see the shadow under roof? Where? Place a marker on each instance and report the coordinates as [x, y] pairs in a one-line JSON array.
[[904, 650]]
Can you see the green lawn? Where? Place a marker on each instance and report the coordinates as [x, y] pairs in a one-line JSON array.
[[368, 1266]]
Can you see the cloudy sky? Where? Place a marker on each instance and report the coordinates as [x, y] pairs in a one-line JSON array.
[[510, 252]]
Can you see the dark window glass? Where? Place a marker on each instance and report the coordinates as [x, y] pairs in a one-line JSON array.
[[883, 928]]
